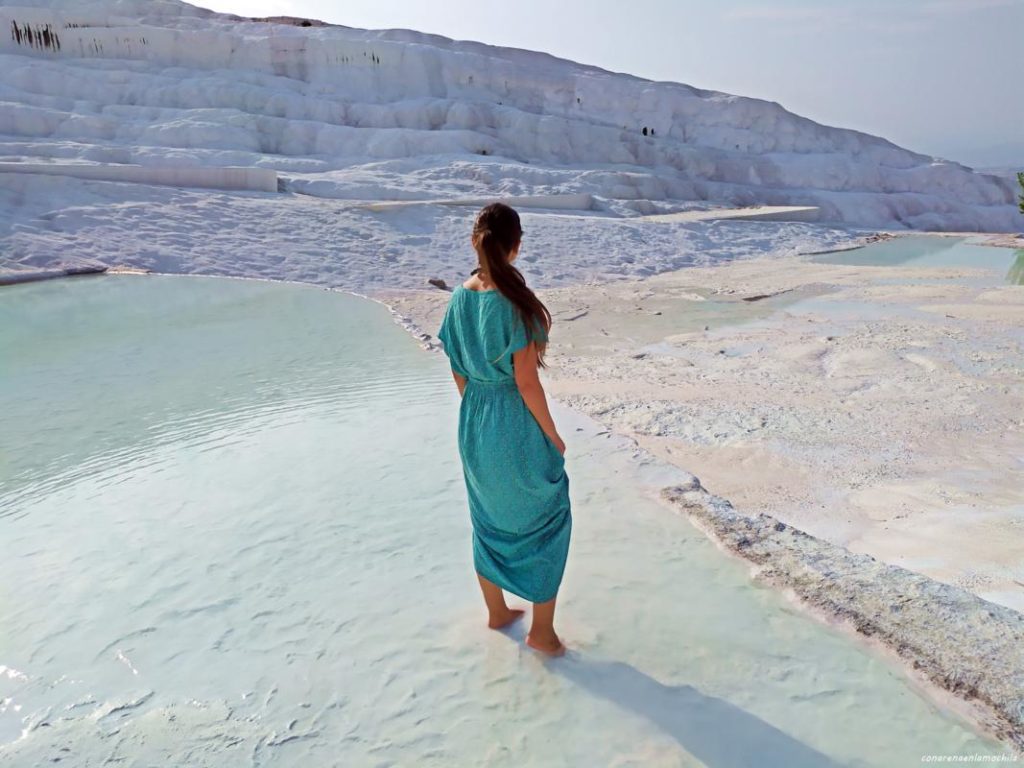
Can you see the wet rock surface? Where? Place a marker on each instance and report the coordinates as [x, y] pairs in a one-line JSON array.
[[961, 643]]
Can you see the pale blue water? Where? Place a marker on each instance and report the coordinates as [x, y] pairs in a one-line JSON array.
[[931, 251], [233, 531]]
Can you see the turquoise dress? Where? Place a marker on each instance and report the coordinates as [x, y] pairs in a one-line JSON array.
[[515, 476]]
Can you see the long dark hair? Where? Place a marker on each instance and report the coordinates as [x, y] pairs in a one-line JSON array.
[[496, 233]]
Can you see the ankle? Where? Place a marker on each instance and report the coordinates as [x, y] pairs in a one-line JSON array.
[[543, 634]]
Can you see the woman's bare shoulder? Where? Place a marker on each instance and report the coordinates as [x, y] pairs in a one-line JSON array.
[[474, 283]]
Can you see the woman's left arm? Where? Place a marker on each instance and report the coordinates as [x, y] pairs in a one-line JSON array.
[[460, 382]]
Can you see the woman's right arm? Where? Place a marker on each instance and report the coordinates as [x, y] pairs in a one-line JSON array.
[[460, 382], [524, 363]]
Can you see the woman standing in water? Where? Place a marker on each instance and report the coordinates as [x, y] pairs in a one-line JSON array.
[[495, 333]]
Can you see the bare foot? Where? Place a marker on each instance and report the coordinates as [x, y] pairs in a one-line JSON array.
[[497, 622], [552, 646]]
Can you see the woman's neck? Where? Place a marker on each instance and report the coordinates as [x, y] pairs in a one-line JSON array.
[[482, 279]]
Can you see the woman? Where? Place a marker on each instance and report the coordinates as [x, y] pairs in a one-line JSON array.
[[495, 333]]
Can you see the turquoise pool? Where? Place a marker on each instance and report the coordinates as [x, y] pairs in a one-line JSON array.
[[933, 251], [233, 532]]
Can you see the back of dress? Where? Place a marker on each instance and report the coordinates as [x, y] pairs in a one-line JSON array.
[[516, 484], [480, 331]]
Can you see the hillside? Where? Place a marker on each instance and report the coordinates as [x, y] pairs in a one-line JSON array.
[[347, 113]]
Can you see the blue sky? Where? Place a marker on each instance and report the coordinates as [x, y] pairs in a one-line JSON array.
[[945, 77]]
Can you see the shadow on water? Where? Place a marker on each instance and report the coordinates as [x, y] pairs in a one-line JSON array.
[[719, 734], [1016, 274]]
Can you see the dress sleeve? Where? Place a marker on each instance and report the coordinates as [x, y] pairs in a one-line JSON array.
[[519, 335], [444, 333]]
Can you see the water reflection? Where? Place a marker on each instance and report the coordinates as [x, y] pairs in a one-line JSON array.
[[1016, 274], [183, 360]]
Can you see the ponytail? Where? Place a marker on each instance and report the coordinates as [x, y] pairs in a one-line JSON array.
[[497, 233]]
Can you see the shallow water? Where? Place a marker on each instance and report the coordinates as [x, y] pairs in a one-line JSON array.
[[931, 251], [1001, 266], [233, 531], [649, 318]]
